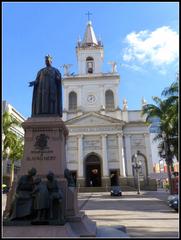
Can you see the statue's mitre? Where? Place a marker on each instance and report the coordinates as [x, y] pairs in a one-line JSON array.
[[48, 56]]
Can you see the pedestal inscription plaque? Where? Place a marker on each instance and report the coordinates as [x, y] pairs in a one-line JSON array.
[[44, 145]]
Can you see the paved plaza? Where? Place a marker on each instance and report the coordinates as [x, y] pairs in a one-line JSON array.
[[144, 215]]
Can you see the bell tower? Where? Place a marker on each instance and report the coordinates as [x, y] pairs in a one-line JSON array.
[[90, 90], [89, 52]]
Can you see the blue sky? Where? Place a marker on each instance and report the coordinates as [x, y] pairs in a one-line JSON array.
[[141, 37]]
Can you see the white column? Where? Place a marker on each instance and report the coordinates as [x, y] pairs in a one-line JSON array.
[[121, 155], [65, 99], [80, 156], [102, 101], [116, 94], [128, 155], [66, 150], [104, 155], [79, 97], [148, 153]]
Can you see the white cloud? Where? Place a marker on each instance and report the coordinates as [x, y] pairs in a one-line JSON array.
[[158, 48], [134, 67]]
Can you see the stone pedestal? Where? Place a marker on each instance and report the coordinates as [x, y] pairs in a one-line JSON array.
[[72, 204], [44, 146], [44, 149], [76, 226], [38, 231]]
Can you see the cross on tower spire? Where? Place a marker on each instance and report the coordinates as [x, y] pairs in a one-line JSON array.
[[88, 15]]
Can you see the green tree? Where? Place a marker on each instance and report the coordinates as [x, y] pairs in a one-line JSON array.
[[12, 141], [171, 93], [160, 110], [167, 111], [8, 124], [16, 153]]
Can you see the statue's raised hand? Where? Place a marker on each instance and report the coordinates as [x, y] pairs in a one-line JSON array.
[[31, 84]]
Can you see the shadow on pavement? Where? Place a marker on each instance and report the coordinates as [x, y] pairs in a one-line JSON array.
[[148, 233], [126, 204]]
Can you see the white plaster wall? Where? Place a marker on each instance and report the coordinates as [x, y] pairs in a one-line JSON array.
[[154, 148], [96, 54], [113, 165], [134, 116], [72, 166], [95, 86]]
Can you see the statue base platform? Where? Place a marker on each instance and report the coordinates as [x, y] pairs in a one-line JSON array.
[[44, 150], [76, 226], [38, 231]]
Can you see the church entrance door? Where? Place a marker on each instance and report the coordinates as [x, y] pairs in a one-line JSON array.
[[93, 171]]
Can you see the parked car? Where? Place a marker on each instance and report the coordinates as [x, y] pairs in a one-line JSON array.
[[173, 202], [5, 188], [116, 191]]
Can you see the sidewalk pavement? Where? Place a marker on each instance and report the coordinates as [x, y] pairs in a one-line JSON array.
[[103, 231], [145, 215], [107, 231], [120, 221]]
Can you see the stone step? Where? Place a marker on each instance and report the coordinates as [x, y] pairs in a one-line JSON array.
[[104, 189], [92, 189], [128, 188]]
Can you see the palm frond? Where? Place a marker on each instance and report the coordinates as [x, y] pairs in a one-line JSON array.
[[171, 91]]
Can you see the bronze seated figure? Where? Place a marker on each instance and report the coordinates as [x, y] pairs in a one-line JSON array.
[[56, 200], [36, 201], [22, 203]]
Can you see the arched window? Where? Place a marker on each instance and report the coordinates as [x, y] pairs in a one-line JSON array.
[[90, 64], [109, 99], [72, 101]]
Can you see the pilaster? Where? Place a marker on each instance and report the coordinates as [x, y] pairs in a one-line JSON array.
[[80, 155], [104, 155], [128, 154], [121, 155], [148, 153]]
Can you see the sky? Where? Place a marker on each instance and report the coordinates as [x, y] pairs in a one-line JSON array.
[[143, 38]]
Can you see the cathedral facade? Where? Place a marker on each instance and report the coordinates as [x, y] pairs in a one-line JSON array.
[[103, 138]]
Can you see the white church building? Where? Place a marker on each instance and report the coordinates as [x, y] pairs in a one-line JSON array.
[[103, 137]]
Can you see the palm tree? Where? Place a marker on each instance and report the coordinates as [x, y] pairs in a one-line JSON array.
[[167, 111], [8, 123], [172, 90], [16, 153], [160, 110], [172, 100], [11, 141]]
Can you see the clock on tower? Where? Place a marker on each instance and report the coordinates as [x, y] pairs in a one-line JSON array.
[[91, 98]]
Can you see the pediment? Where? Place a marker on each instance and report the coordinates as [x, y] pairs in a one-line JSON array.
[[93, 119]]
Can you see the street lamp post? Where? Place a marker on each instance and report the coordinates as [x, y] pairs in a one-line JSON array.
[[167, 152], [137, 165]]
